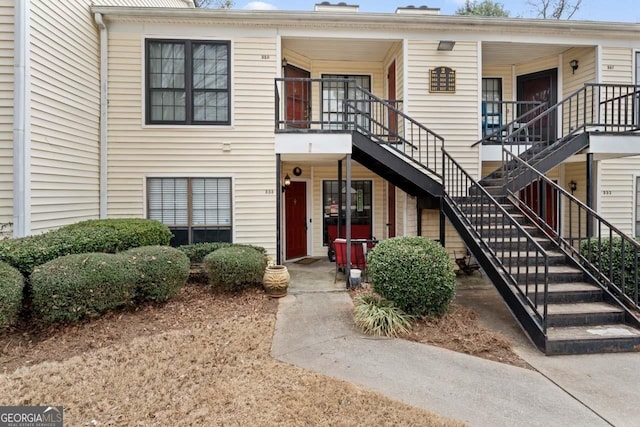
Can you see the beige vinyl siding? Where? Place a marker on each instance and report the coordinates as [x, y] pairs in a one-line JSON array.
[[574, 220], [586, 73], [137, 151], [6, 115], [541, 64], [144, 3], [64, 114], [617, 65], [454, 116], [616, 195], [504, 73], [330, 172]]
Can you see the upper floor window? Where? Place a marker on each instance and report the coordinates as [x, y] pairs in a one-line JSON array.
[[188, 82]]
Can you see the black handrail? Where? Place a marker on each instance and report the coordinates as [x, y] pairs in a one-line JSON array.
[[519, 112], [584, 234], [526, 266], [388, 126]]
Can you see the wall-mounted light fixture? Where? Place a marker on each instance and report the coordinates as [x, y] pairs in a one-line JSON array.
[[284, 62], [287, 182], [573, 186], [446, 45], [574, 65]]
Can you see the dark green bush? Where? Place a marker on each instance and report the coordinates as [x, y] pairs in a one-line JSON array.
[[197, 251], [11, 285], [415, 273], [235, 267], [606, 255], [161, 271], [74, 286], [109, 235]]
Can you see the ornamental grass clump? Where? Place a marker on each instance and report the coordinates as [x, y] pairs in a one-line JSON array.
[[415, 273], [377, 316]]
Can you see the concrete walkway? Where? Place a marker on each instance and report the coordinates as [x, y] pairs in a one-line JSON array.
[[315, 330]]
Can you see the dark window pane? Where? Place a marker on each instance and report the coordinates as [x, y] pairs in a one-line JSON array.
[[201, 235], [180, 236]]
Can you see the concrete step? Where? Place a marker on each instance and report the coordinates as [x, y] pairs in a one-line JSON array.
[[612, 338], [508, 230], [556, 273], [519, 244], [526, 258], [583, 314]]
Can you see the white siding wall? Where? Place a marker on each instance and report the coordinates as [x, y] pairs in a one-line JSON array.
[[617, 65], [6, 114], [137, 151], [64, 113], [453, 115]]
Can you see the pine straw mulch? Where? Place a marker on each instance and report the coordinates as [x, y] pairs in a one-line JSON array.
[[200, 359], [460, 330]]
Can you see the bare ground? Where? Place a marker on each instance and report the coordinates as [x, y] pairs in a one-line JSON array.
[[200, 359]]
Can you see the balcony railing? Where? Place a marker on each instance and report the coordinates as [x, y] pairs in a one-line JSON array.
[[500, 118]]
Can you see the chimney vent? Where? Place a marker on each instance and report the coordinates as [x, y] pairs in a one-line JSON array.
[[419, 10]]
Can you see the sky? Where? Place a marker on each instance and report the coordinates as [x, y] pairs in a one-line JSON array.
[[591, 10]]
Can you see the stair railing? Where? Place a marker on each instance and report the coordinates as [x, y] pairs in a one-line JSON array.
[[594, 108], [388, 126], [606, 252], [513, 250], [511, 115]]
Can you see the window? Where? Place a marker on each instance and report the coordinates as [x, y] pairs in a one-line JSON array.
[[195, 209], [188, 82], [491, 107], [361, 208], [334, 92]]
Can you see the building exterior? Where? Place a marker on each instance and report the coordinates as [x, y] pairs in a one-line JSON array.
[[248, 126]]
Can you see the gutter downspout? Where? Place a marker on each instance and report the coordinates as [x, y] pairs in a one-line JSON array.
[[21, 122], [104, 80]]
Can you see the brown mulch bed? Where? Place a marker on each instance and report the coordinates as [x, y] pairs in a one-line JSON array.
[[200, 359], [460, 330]]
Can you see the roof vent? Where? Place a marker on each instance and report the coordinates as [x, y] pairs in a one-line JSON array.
[[421, 10], [326, 6]]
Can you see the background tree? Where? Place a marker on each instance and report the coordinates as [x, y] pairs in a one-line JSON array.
[[484, 8], [555, 9], [214, 4]]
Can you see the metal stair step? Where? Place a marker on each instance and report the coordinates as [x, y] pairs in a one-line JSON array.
[[531, 258], [570, 292], [581, 314], [612, 338]]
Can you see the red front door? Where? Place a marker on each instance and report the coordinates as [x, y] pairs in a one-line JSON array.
[[531, 196], [297, 95], [541, 86], [295, 203]]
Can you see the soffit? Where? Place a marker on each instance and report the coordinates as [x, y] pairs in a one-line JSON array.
[[340, 49], [501, 53]]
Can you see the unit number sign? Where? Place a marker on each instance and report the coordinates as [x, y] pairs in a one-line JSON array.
[[443, 79]]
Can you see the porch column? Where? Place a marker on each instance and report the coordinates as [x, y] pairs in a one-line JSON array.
[[590, 196], [339, 234], [418, 217], [348, 218], [278, 211], [442, 224]]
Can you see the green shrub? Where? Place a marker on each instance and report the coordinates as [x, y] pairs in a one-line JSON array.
[[109, 235], [161, 271], [197, 251], [74, 286], [415, 273], [235, 267], [11, 285], [377, 316], [606, 255]]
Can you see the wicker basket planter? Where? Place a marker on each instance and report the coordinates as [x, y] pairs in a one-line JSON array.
[[276, 280]]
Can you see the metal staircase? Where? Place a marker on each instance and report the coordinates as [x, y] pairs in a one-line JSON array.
[[567, 300]]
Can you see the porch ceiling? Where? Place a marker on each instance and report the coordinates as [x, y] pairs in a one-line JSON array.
[[507, 53], [331, 49]]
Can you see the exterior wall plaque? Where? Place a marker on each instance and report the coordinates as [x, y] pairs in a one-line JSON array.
[[443, 79]]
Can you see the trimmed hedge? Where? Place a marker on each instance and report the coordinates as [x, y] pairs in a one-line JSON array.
[[108, 235], [415, 273], [197, 251], [606, 255], [160, 271], [74, 286], [11, 285], [236, 267]]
